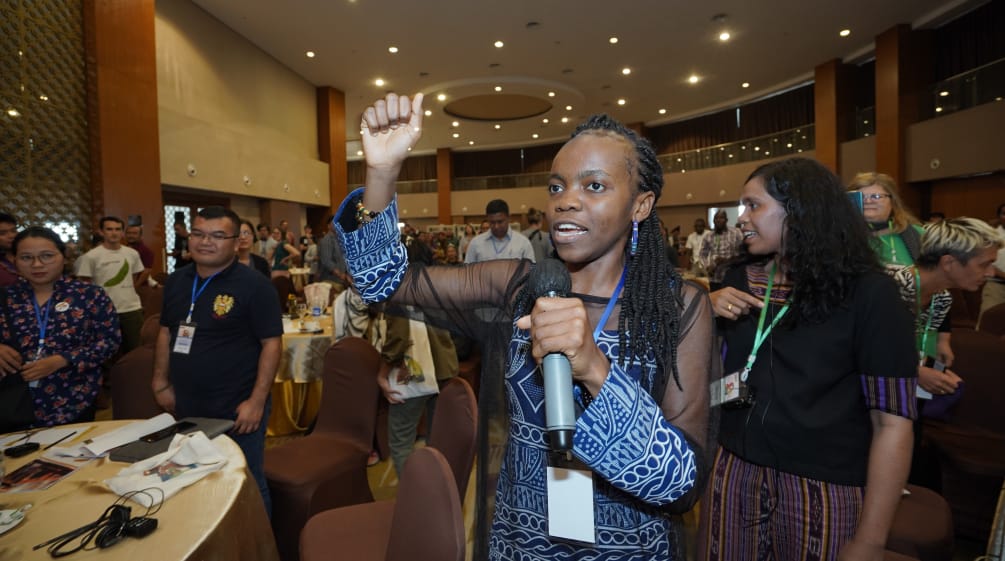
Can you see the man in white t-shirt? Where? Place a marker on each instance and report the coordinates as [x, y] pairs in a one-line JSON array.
[[116, 268], [694, 241]]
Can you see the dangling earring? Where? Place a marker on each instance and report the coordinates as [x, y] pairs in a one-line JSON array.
[[635, 237]]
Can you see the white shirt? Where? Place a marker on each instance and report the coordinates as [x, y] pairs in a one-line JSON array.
[[486, 247], [113, 270], [694, 241]]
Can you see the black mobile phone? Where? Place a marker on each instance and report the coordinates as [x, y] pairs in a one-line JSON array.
[[21, 449], [180, 426], [856, 199]]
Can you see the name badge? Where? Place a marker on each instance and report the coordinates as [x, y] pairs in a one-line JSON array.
[[570, 504], [731, 391], [183, 342]]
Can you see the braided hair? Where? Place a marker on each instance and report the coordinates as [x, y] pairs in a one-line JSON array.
[[651, 301]]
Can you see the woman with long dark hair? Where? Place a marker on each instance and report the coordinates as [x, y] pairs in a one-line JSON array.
[[638, 339], [815, 436]]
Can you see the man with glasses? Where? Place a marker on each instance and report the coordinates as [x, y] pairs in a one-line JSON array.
[[220, 339], [116, 268], [8, 229]]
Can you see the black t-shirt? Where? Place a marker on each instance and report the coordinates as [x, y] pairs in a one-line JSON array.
[[236, 311], [811, 415]]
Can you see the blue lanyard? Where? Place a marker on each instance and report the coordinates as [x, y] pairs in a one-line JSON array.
[[610, 305], [43, 322], [196, 292]]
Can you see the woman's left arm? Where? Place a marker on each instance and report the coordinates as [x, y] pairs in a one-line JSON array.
[[889, 463]]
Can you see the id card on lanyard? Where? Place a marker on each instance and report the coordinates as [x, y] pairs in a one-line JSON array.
[[570, 486], [186, 329], [731, 391]]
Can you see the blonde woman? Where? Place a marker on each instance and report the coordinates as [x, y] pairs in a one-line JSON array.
[[896, 231]]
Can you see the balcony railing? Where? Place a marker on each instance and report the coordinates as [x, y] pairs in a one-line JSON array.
[[784, 143], [984, 84]]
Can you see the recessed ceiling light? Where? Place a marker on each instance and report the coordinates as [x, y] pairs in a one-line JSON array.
[[379, 82], [565, 119], [621, 101], [498, 127], [471, 143], [568, 108], [943, 93], [938, 110], [545, 120], [663, 111], [693, 79], [499, 44], [359, 152], [845, 32], [724, 36], [745, 85], [13, 112], [626, 71], [429, 113], [535, 135], [455, 124], [441, 97], [44, 97], [310, 54], [498, 88], [392, 50], [551, 94], [457, 135], [613, 40]]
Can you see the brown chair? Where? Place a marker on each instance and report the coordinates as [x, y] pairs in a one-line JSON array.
[[327, 468], [966, 308], [152, 299], [922, 526], [130, 377], [284, 287], [971, 444], [424, 523], [993, 320], [150, 330], [455, 429]]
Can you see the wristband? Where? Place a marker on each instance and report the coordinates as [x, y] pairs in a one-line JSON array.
[[167, 387]]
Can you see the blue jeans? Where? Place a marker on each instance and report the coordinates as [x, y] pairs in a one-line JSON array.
[[253, 446]]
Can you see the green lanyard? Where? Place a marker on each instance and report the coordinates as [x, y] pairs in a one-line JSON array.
[[931, 312], [762, 334], [892, 242]]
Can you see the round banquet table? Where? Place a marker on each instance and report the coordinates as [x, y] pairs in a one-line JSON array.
[[296, 390], [220, 517]]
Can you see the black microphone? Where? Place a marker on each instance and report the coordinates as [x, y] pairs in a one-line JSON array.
[[550, 279]]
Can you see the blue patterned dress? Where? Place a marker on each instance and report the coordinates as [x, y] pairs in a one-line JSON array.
[[640, 462], [83, 327]]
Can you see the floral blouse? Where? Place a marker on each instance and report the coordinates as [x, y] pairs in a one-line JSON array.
[[82, 327]]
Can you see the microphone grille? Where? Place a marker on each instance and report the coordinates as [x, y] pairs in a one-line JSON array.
[[549, 276]]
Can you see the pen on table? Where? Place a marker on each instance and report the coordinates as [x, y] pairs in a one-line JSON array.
[[60, 440]]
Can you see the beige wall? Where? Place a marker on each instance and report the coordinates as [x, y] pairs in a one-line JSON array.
[[857, 156], [232, 112], [964, 143]]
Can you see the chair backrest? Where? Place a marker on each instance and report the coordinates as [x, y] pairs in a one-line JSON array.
[[979, 360], [151, 297], [993, 320], [284, 287], [455, 429], [150, 330], [130, 376], [427, 524], [349, 395]]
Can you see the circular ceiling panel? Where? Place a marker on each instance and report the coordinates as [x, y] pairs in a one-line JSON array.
[[497, 107]]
